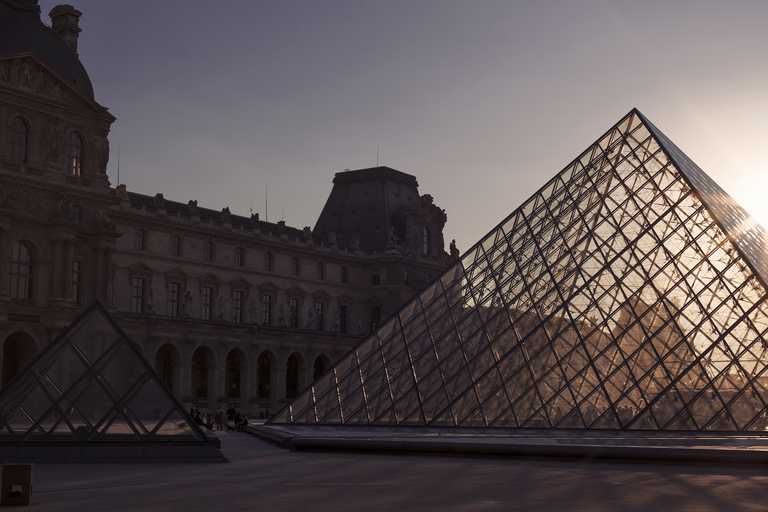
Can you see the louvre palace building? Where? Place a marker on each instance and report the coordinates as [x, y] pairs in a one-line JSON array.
[[228, 309]]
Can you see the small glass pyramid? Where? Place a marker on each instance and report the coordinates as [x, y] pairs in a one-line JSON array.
[[628, 293], [91, 384]]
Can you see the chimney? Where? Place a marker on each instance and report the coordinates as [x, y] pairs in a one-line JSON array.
[[64, 21]]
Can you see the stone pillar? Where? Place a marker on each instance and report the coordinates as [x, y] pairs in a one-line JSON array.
[[108, 278], [185, 380], [69, 253], [100, 273], [278, 383], [4, 251], [56, 265]]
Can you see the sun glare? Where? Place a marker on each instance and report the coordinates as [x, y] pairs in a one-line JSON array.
[[752, 194]]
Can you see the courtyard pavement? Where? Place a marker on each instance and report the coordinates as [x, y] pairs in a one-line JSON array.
[[261, 476]]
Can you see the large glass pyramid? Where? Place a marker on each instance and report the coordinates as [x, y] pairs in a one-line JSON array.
[[628, 293], [89, 385]]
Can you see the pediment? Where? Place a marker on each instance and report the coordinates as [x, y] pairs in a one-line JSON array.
[[269, 286], [141, 268], [28, 73], [177, 272], [321, 295], [210, 278], [241, 282], [296, 291]]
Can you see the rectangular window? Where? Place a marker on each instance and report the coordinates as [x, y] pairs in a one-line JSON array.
[[375, 318], [239, 257], [267, 261], [343, 274], [237, 306], [76, 276], [266, 310], [174, 290], [137, 294], [175, 246], [295, 266], [207, 302], [320, 270], [343, 319], [208, 251], [139, 239], [376, 277], [293, 319], [319, 314]]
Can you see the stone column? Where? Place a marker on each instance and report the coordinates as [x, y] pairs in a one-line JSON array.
[[4, 250], [56, 269], [278, 382], [108, 278], [69, 254], [100, 273]]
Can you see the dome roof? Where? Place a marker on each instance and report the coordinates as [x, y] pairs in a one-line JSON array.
[[22, 31]]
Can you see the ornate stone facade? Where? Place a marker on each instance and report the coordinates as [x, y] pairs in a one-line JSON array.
[[227, 308]]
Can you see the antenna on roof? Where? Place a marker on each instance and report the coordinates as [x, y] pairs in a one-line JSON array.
[[266, 202], [118, 165]]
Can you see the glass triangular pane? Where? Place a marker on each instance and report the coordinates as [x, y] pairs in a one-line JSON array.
[[121, 370], [94, 334], [177, 428]]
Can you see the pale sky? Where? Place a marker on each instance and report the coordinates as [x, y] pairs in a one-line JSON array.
[[483, 101]]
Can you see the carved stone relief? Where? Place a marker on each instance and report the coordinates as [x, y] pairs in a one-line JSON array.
[[26, 74]]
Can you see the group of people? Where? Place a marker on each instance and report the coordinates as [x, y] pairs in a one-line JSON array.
[[232, 418]]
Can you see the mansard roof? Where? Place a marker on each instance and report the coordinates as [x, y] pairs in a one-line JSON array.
[[363, 205]]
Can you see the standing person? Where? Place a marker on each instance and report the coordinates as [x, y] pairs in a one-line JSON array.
[[219, 418], [231, 413]]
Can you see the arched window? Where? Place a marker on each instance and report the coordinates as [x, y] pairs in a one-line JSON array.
[[292, 377], [321, 365], [233, 375], [20, 273], [200, 368], [74, 154], [18, 141], [164, 365], [427, 240], [18, 350], [10, 360], [264, 376]]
